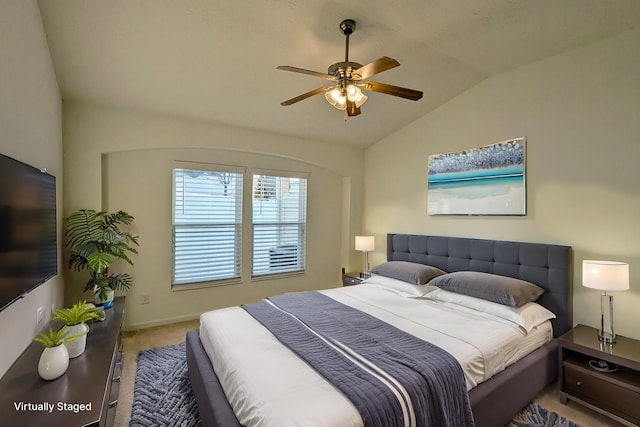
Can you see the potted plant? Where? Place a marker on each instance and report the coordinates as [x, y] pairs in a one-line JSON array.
[[75, 320], [54, 359], [96, 241]]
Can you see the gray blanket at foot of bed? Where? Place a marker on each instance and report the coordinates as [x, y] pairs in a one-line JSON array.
[[391, 377]]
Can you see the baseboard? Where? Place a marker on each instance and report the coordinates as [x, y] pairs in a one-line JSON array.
[[161, 322]]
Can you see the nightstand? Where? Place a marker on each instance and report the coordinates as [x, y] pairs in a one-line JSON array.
[[352, 278], [616, 394]]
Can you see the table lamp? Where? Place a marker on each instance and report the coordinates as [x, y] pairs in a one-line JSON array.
[[605, 276], [365, 244]]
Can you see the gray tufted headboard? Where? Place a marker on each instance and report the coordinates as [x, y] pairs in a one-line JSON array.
[[548, 266]]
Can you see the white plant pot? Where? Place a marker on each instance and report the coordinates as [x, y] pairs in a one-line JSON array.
[[108, 301], [54, 362], [77, 346]]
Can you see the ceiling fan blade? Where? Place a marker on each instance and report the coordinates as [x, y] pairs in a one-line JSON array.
[[305, 95], [402, 92], [379, 65], [352, 109], [308, 72]]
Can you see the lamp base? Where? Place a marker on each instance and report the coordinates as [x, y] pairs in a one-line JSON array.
[[608, 337], [605, 333], [366, 273]]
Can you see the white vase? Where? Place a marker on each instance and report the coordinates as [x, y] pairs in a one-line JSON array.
[[106, 302], [54, 362], [77, 346]]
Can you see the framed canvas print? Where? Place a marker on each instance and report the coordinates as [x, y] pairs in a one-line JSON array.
[[488, 180]]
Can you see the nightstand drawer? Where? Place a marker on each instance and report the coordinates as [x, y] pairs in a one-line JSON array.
[[595, 389]]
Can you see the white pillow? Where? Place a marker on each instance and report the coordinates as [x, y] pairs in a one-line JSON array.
[[400, 287], [527, 316]]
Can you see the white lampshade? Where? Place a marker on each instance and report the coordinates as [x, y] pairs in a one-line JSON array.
[[365, 243], [605, 275]]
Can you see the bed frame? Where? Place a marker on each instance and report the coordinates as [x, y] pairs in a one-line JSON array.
[[495, 401]]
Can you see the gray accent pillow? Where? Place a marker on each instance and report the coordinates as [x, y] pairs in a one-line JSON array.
[[411, 272], [491, 287]]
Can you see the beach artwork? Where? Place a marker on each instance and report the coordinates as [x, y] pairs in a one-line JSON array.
[[489, 180]]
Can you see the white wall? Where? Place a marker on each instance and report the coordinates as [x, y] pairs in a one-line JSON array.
[[116, 159], [30, 131], [580, 113]]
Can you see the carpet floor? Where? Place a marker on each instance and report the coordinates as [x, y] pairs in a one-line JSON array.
[[163, 395]]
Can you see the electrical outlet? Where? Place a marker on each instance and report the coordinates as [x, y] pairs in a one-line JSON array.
[[144, 299], [39, 315]]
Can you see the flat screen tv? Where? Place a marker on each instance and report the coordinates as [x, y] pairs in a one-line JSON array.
[[28, 245]]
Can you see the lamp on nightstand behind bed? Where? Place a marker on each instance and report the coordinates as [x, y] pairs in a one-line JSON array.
[[606, 276], [365, 244]]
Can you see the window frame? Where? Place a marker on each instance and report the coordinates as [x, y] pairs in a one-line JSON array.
[[239, 224], [301, 252]]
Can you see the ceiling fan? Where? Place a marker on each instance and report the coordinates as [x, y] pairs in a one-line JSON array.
[[349, 80]]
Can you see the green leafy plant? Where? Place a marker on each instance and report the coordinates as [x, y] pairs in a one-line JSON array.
[[54, 338], [77, 314], [96, 241]]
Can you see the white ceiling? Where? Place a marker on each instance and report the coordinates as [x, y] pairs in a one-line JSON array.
[[216, 60]]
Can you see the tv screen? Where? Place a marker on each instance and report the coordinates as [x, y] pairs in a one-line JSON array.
[[28, 245]]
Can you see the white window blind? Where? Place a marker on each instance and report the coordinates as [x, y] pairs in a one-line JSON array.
[[207, 225], [279, 224]]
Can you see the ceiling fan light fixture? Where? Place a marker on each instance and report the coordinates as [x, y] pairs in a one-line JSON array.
[[354, 94], [359, 100], [337, 96]]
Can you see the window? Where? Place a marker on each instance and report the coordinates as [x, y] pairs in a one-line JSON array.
[[279, 223], [207, 224]]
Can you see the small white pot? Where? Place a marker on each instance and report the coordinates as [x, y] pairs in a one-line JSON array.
[[54, 362], [108, 301], [77, 346]]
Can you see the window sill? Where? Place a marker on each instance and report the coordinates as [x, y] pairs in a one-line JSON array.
[[190, 286], [273, 276]]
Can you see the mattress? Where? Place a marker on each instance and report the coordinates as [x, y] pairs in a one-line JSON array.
[[268, 385]]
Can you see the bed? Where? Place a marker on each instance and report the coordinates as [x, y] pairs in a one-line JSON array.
[[494, 401]]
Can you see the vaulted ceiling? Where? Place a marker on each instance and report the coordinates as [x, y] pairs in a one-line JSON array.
[[216, 60]]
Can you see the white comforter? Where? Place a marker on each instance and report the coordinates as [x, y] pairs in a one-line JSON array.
[[268, 385]]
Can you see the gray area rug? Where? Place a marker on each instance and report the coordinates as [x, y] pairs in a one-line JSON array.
[[162, 394], [535, 415]]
